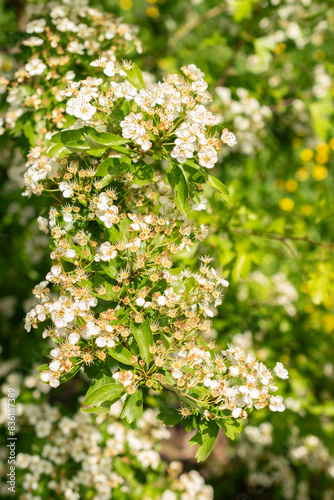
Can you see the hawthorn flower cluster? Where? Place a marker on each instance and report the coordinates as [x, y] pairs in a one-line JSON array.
[[124, 277], [166, 109], [232, 380], [146, 247], [60, 38], [114, 296], [90, 450]]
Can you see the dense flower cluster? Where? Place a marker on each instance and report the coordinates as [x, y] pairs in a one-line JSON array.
[[247, 116], [292, 472], [60, 39], [102, 457], [114, 298], [131, 280], [171, 107]]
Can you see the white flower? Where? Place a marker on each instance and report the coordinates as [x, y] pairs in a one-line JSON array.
[[276, 403], [109, 69], [80, 107], [33, 41], [149, 458], [228, 138], [162, 300], [236, 412], [234, 371], [201, 205], [36, 26], [280, 371], [106, 252], [199, 85], [183, 152], [73, 338], [207, 157], [140, 301], [35, 67], [65, 189]]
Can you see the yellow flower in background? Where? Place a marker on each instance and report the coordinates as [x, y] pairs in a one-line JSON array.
[[302, 174], [322, 148], [307, 209], [126, 4], [152, 11], [328, 322], [280, 48], [331, 143], [306, 155], [286, 204], [319, 172], [321, 158], [291, 185]]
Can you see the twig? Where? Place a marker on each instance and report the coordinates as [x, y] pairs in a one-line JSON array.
[[194, 23], [283, 238]]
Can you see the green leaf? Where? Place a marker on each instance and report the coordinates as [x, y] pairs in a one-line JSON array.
[[121, 354], [178, 182], [169, 416], [113, 167], [66, 136], [110, 294], [135, 77], [205, 437], [56, 149], [75, 146], [219, 186], [43, 367], [70, 374], [110, 391], [97, 139], [110, 269], [133, 406], [104, 388], [103, 408], [195, 174], [142, 172], [144, 338], [231, 427]]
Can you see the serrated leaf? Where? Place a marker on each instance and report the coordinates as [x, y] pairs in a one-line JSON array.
[[205, 437], [56, 149], [169, 416], [218, 186], [231, 427], [43, 367], [75, 146], [110, 269], [196, 175], [133, 406], [135, 77], [70, 374], [103, 408], [179, 183], [121, 354], [66, 136], [144, 338], [143, 173], [110, 391], [112, 167], [99, 139]]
